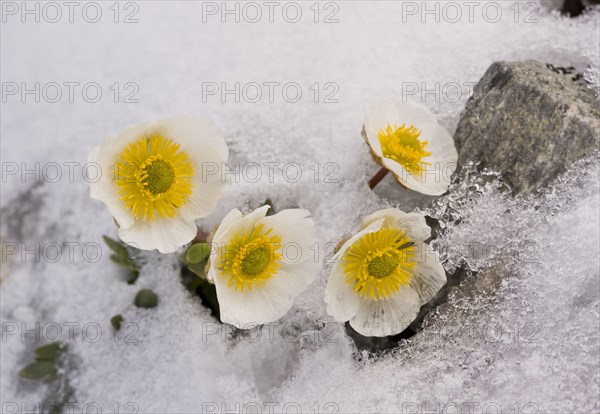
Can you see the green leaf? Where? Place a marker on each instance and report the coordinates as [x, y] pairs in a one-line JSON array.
[[121, 255], [198, 268], [48, 352], [38, 370], [114, 245], [197, 253], [115, 321], [133, 277], [51, 377], [46, 363], [146, 299]]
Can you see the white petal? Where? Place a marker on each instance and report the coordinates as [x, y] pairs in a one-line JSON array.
[[105, 190], [382, 111], [193, 133], [203, 141], [256, 306], [413, 113], [94, 155], [243, 225], [432, 182], [290, 223], [443, 152], [210, 274], [297, 232], [298, 267], [429, 275], [436, 177], [114, 144], [208, 187], [166, 235], [439, 140], [342, 302], [227, 221], [412, 223], [386, 317], [378, 113], [233, 223], [371, 228]]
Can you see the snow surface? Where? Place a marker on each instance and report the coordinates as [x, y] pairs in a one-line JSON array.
[[528, 342]]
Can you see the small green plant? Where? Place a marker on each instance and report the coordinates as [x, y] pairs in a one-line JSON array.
[[116, 321], [123, 256], [46, 365], [146, 299]]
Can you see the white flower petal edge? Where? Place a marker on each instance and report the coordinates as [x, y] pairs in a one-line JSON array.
[[443, 159], [103, 190], [296, 229], [298, 269], [258, 306], [384, 110], [389, 317], [436, 179], [230, 218], [164, 235], [430, 275], [204, 144], [104, 157], [241, 223], [412, 223], [422, 184], [386, 317], [341, 301]]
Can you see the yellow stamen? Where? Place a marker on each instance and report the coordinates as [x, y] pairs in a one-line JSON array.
[[379, 264], [250, 260], [402, 145], [154, 177]]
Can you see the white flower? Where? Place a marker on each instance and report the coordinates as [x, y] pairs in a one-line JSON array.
[[155, 179], [260, 263], [384, 274], [406, 139]]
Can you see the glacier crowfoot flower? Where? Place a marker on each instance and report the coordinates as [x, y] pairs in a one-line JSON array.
[[153, 180], [384, 274], [406, 139], [260, 263]]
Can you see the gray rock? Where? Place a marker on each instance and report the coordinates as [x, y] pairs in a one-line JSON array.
[[529, 121]]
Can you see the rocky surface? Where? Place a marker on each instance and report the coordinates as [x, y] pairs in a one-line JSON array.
[[529, 121]]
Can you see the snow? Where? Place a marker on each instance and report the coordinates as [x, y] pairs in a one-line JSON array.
[[526, 342]]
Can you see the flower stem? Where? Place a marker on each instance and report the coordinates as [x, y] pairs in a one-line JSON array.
[[201, 237], [378, 177]]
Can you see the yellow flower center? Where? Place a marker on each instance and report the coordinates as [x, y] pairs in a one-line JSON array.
[[378, 264], [154, 177], [250, 260], [402, 145], [381, 266], [254, 262]]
